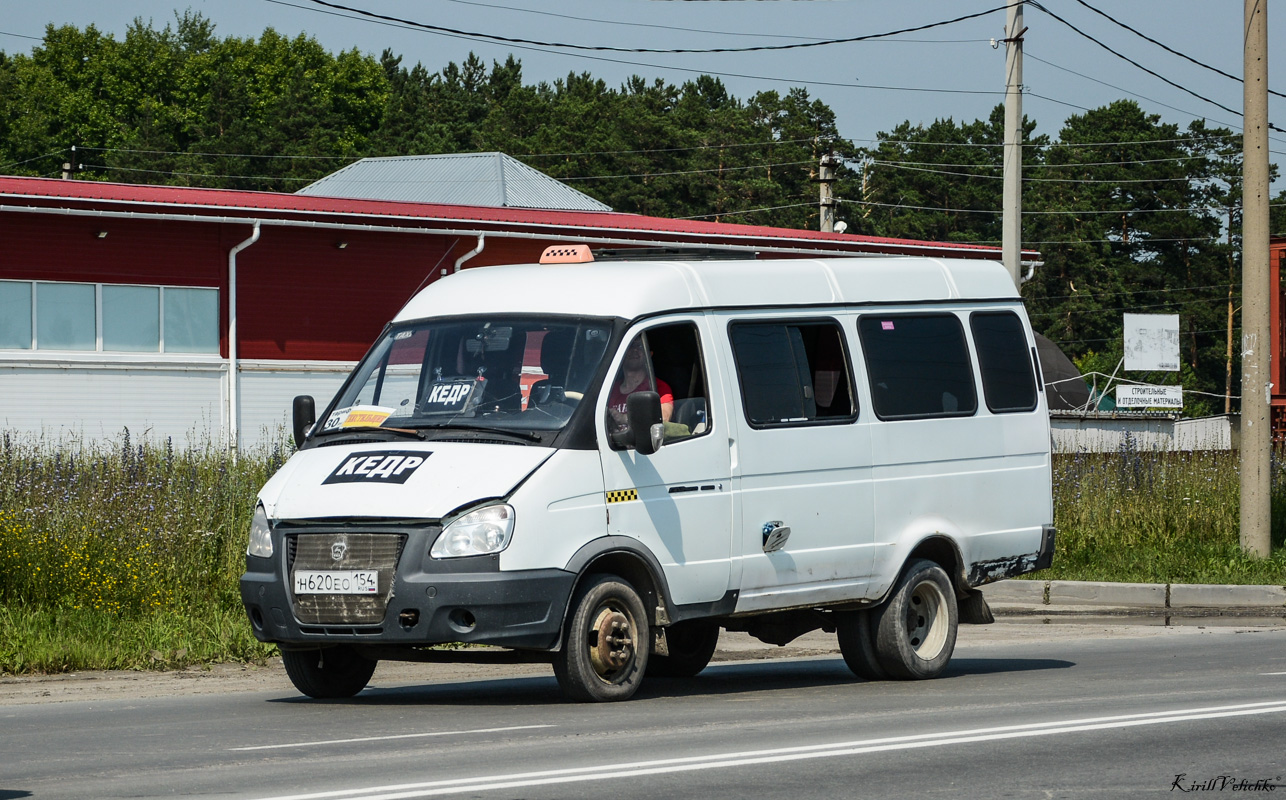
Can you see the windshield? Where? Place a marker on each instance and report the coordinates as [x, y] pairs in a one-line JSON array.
[[495, 372]]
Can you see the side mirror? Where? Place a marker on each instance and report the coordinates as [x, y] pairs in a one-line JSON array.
[[304, 414], [643, 409]]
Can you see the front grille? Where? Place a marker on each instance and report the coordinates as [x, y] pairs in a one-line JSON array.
[[359, 551]]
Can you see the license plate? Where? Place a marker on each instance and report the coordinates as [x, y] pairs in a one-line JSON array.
[[336, 581]]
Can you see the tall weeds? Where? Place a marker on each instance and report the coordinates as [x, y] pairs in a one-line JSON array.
[[1158, 517], [127, 555], [100, 539]]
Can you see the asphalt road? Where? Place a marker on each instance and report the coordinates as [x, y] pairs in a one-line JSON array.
[[1025, 710]]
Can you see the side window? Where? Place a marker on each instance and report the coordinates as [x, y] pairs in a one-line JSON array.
[[1004, 360], [918, 365], [666, 360], [793, 373]]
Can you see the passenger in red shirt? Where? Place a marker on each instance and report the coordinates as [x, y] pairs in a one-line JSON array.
[[633, 378]]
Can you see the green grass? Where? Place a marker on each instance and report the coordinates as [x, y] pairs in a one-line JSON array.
[[1158, 517], [126, 556]]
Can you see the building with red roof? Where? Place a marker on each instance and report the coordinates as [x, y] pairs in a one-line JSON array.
[[196, 313]]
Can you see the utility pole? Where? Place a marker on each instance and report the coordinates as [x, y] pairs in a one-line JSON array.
[[1011, 223], [826, 203], [70, 167], [1256, 349]]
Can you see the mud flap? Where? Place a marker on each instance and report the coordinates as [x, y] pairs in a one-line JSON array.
[[974, 609]]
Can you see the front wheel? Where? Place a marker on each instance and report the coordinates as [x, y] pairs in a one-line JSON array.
[[605, 642], [915, 631], [328, 673], [691, 645]]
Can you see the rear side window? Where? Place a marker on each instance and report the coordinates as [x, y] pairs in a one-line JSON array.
[[793, 373], [1004, 360], [918, 366]]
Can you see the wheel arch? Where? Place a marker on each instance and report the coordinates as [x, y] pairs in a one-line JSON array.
[[625, 558], [943, 551]]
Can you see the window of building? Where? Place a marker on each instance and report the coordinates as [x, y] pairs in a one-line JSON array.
[[132, 318], [191, 320], [793, 372], [98, 317], [1004, 359], [65, 316], [918, 365], [15, 315]]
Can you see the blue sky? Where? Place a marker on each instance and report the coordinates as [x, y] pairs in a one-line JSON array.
[[948, 71]]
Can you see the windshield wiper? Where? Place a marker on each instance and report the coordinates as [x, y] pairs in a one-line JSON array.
[[461, 426], [406, 432]]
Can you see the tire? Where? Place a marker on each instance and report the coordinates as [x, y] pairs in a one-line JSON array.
[[915, 631], [328, 673], [691, 646], [605, 642], [857, 644]]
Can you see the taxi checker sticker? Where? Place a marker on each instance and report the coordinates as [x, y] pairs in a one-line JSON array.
[[378, 466]]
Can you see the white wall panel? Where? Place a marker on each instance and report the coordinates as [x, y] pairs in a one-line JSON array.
[[96, 403], [94, 398], [267, 392]]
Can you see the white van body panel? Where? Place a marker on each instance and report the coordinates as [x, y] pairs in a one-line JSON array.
[[816, 480], [452, 475], [683, 511], [558, 509], [630, 290]]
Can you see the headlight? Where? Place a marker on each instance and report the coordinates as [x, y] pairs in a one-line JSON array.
[[477, 533], [260, 535]]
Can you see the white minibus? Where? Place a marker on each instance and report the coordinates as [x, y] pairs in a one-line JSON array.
[[605, 462]]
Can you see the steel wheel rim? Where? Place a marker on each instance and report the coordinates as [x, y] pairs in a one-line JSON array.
[[611, 642], [926, 620]]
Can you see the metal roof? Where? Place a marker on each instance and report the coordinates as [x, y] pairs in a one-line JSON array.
[[100, 198], [467, 179]]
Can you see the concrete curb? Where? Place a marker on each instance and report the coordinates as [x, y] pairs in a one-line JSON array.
[[1088, 597]]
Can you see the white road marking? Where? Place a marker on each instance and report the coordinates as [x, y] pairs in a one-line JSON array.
[[387, 738], [598, 772], [1272, 673]]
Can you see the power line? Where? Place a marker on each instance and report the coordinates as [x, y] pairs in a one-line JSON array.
[[667, 51], [210, 155], [665, 67], [1053, 144], [1025, 179], [1073, 212], [1113, 86], [1166, 48], [1220, 286], [22, 36], [33, 158], [748, 211], [108, 168], [1127, 59]]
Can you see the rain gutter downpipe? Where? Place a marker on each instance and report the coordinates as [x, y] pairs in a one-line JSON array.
[[234, 431], [482, 243]]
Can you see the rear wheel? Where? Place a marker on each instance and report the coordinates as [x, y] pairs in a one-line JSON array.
[[328, 673], [605, 642], [857, 644], [691, 646], [915, 631]]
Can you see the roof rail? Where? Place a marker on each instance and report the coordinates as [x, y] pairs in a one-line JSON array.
[[671, 254]]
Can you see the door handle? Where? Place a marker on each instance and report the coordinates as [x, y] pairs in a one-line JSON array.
[[775, 536]]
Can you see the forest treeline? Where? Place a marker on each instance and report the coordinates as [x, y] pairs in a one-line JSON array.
[[1130, 213]]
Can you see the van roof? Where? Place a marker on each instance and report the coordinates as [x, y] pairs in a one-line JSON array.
[[631, 289]]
